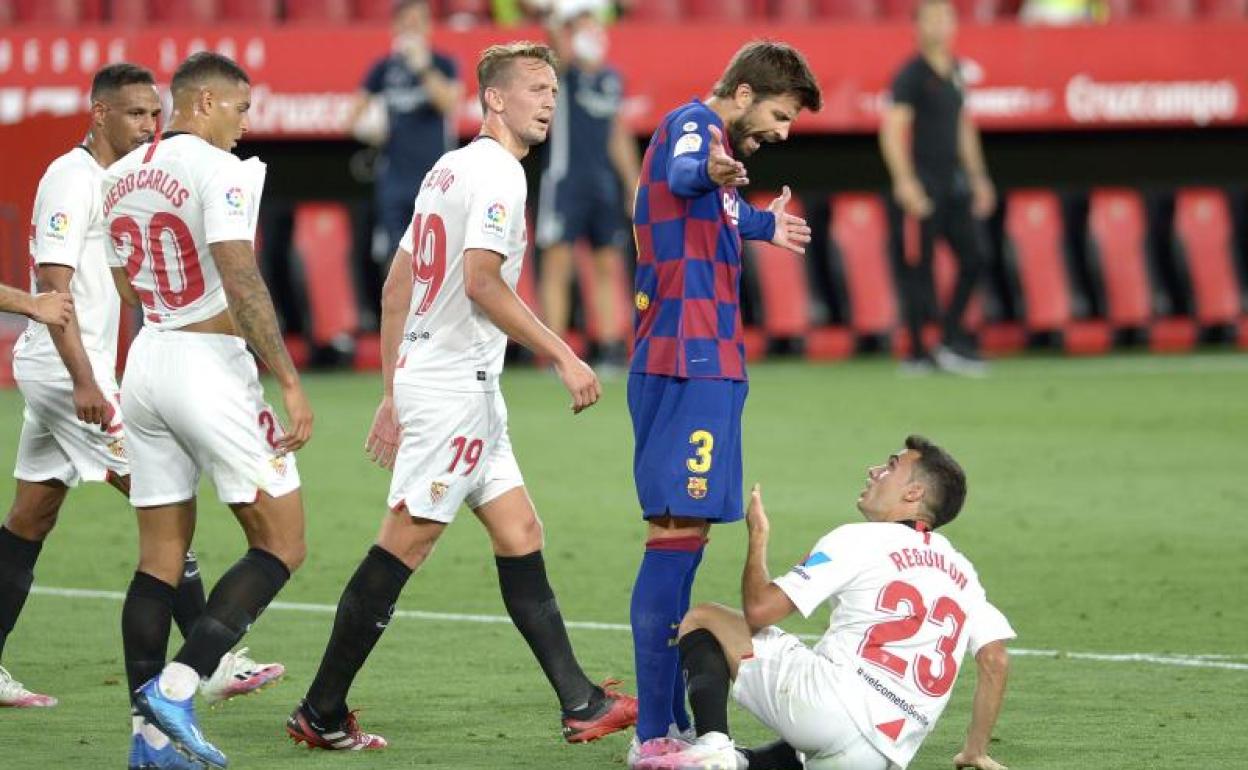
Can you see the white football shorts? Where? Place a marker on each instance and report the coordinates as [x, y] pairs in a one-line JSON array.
[[55, 444], [788, 687], [193, 405], [454, 449]]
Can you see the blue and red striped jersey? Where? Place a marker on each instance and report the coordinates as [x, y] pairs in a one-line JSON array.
[[689, 233]]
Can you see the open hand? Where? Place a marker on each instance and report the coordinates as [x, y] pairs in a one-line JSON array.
[[723, 169], [756, 516], [792, 232], [382, 443]]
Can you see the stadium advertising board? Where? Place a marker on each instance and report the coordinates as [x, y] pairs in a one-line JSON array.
[[1021, 78]]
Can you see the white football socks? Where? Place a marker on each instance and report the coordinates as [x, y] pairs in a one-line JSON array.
[[178, 681]]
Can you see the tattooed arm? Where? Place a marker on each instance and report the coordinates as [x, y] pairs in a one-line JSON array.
[[256, 320]]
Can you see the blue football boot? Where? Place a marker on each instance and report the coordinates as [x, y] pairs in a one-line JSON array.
[[176, 718]]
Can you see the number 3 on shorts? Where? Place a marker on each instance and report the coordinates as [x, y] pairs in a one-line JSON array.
[[703, 442]]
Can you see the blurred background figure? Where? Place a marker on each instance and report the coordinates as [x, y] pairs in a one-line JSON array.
[[940, 187], [588, 179], [417, 90]]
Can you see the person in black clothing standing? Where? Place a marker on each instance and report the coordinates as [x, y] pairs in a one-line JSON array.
[[940, 186], [420, 90]]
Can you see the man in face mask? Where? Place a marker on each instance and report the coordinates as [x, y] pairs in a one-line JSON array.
[[420, 90], [588, 178]]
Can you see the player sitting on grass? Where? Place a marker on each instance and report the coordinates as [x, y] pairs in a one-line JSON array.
[[905, 607]]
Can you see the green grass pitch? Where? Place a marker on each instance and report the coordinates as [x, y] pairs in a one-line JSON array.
[[1106, 515]]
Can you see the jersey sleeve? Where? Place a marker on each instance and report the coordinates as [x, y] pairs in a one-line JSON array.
[[825, 572], [446, 65], [61, 218], [494, 205], [755, 224], [987, 625], [906, 86], [231, 197], [689, 146], [375, 79]]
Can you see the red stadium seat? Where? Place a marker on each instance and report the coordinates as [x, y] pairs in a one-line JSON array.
[[184, 11], [719, 10], [860, 229], [1224, 9], [791, 10], [322, 11], [57, 11], [847, 10], [1120, 10], [1169, 10], [129, 12], [322, 237], [382, 10], [1034, 224], [249, 11], [1203, 221], [782, 282], [655, 10], [1116, 221], [897, 10], [978, 11]]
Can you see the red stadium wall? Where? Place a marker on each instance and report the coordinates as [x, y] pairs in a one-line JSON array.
[[1124, 75]]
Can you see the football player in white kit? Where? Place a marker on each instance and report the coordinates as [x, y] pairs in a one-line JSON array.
[[905, 606], [181, 215], [448, 308], [72, 428]]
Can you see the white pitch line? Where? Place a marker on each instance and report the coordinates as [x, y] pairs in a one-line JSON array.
[[1213, 660]]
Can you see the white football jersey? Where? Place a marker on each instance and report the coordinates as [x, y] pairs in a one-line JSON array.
[[164, 204], [905, 608], [67, 228], [473, 198]]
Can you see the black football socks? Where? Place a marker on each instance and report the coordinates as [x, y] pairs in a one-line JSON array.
[[17, 572], [364, 612], [776, 755], [708, 680], [189, 602], [535, 612], [236, 601], [145, 620]]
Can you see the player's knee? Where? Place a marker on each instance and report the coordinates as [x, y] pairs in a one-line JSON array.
[[696, 618], [519, 538]]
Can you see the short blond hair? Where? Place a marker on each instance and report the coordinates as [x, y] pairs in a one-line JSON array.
[[495, 65]]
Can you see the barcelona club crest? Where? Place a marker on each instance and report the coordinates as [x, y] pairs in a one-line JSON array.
[[697, 487], [437, 490]]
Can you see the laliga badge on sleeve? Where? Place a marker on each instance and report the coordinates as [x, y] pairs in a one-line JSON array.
[[686, 144], [495, 221]]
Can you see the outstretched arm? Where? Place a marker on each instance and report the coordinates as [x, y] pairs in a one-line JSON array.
[[50, 309], [251, 307], [762, 601], [993, 665]]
